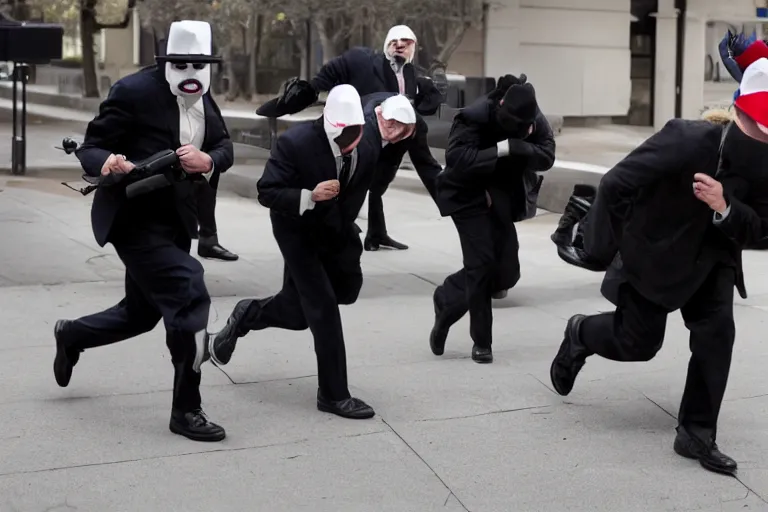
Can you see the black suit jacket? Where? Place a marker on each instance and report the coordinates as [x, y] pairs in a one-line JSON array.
[[416, 146], [370, 72], [658, 236], [472, 165], [140, 117], [302, 158]]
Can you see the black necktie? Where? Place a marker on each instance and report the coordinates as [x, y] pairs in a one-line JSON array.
[[346, 167]]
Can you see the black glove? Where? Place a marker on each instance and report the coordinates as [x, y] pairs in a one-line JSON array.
[[507, 81], [296, 95]]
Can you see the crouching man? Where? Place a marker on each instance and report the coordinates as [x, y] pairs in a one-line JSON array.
[[668, 224], [314, 185]]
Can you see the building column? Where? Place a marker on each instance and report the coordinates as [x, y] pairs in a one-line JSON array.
[[502, 39], [666, 43], [694, 55]]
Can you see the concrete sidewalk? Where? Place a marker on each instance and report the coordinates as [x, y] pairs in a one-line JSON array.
[[449, 434]]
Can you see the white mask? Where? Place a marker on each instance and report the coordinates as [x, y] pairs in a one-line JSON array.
[[343, 108], [395, 34], [189, 79]]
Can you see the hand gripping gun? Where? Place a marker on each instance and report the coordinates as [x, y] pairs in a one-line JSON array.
[[158, 171]]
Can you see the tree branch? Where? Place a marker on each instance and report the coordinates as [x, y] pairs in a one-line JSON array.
[[123, 24], [453, 43]]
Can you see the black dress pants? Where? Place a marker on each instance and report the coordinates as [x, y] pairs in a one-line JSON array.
[[426, 167], [489, 248], [162, 281], [317, 278], [635, 332], [206, 208]]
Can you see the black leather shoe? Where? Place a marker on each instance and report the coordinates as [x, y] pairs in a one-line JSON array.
[[707, 453], [500, 295], [194, 425], [374, 244], [575, 210], [439, 332], [216, 252], [358, 229], [482, 355], [577, 257], [570, 358], [66, 357], [222, 345], [351, 408]]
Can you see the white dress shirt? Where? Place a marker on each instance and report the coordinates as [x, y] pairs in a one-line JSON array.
[[192, 126]]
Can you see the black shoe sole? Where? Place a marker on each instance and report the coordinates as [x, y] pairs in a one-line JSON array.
[[327, 408], [219, 258], [211, 437]]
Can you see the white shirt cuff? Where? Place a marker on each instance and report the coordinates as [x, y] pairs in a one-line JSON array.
[[718, 218], [306, 202], [503, 147], [210, 173]]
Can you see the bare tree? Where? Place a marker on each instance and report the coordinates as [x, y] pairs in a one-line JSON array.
[[238, 27], [92, 17], [442, 25], [90, 25]]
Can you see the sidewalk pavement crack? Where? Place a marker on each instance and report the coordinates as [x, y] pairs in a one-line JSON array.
[[421, 278], [224, 372], [750, 490], [186, 454], [428, 466], [746, 397], [501, 411], [543, 384], [657, 405]]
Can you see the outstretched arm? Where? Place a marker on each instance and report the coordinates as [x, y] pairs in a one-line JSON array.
[[334, 72]]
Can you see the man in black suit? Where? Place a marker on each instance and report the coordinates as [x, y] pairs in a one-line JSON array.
[[370, 72], [163, 107], [314, 184], [668, 224], [495, 147]]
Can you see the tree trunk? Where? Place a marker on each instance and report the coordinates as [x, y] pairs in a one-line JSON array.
[[88, 29], [232, 86], [453, 42], [326, 41], [253, 41]]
